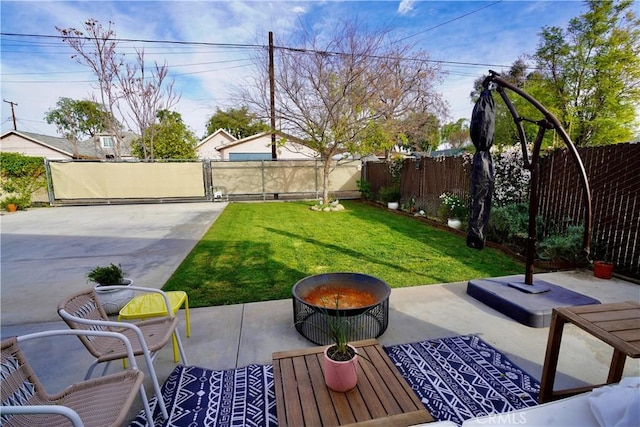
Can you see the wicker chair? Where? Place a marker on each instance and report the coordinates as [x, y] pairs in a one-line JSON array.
[[100, 402], [82, 310]]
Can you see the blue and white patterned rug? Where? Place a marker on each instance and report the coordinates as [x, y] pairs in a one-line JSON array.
[[456, 378], [463, 377], [202, 397]]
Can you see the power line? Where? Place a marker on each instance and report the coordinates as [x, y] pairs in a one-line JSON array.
[[451, 20], [291, 49], [189, 43]]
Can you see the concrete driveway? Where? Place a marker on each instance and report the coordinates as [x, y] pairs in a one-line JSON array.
[[45, 253]]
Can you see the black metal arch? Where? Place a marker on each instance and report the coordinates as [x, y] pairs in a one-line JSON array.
[[549, 122]]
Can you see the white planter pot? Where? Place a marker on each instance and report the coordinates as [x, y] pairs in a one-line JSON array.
[[454, 223], [112, 300], [393, 205]]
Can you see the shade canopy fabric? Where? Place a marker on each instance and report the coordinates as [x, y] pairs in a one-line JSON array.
[[482, 130]]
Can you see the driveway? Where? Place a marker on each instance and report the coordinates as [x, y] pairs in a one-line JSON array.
[[45, 253]]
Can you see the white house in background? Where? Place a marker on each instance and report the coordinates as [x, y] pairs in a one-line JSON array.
[[255, 147], [37, 145], [56, 148], [206, 149]]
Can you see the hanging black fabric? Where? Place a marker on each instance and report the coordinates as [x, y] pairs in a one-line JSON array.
[[481, 130]]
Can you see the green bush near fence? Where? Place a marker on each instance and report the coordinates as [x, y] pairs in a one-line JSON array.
[[258, 251], [20, 177]]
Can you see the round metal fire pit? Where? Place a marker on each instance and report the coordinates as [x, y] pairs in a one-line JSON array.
[[366, 322]]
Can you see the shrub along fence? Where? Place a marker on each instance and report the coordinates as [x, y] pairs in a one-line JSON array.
[[614, 179]]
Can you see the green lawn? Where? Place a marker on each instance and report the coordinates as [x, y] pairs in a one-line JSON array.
[[258, 251]]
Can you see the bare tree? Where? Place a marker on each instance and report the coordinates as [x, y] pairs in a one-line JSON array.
[[141, 91], [332, 92], [96, 48], [145, 96]]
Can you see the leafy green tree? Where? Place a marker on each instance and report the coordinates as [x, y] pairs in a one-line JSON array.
[[422, 130], [172, 139], [239, 122], [77, 119], [456, 133], [590, 73]]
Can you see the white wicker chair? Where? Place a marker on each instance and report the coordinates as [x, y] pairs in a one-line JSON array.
[[82, 310], [100, 402]]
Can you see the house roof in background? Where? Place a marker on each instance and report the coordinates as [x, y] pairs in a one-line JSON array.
[[280, 135], [216, 133], [61, 145]]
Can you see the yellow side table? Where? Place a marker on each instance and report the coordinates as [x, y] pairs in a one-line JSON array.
[[152, 305]]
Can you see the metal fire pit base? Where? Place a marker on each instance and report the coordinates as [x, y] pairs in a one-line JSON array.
[[529, 308], [364, 322], [312, 324]]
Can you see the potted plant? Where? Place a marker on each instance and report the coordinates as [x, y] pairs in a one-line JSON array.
[[12, 203], [602, 268], [452, 210], [112, 300], [390, 195]]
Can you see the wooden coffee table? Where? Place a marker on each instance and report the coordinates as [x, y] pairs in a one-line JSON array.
[[381, 398], [617, 324]]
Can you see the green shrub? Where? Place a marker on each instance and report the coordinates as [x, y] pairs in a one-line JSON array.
[[20, 176], [364, 187], [389, 194], [509, 224], [452, 206], [566, 246]]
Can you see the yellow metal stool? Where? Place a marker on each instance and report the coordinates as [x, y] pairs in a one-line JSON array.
[[153, 305]]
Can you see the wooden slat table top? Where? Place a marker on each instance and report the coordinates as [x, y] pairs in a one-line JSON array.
[[617, 324], [381, 398]]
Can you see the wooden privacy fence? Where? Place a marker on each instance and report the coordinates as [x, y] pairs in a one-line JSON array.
[[82, 182], [614, 179]]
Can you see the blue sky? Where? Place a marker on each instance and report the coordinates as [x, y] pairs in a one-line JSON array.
[[35, 71]]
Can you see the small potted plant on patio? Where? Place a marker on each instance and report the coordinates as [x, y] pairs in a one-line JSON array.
[[112, 300]]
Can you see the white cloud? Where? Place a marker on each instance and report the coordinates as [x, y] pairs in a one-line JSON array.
[[405, 6]]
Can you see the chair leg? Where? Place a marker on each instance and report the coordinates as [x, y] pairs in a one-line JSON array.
[[145, 403], [175, 347], [156, 385], [182, 353], [90, 370]]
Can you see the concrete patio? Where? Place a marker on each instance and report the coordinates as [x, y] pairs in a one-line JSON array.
[[236, 335]]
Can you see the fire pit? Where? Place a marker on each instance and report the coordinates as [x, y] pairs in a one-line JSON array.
[[363, 301]]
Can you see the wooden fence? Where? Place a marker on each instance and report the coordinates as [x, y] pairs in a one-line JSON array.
[[614, 179]]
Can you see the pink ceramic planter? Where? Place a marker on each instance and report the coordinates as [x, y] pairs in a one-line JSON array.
[[340, 376]]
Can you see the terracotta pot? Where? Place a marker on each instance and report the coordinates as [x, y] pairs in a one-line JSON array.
[[602, 270], [12, 207], [340, 376]]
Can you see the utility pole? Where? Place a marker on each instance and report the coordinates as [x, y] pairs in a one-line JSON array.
[[272, 95], [13, 113]]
